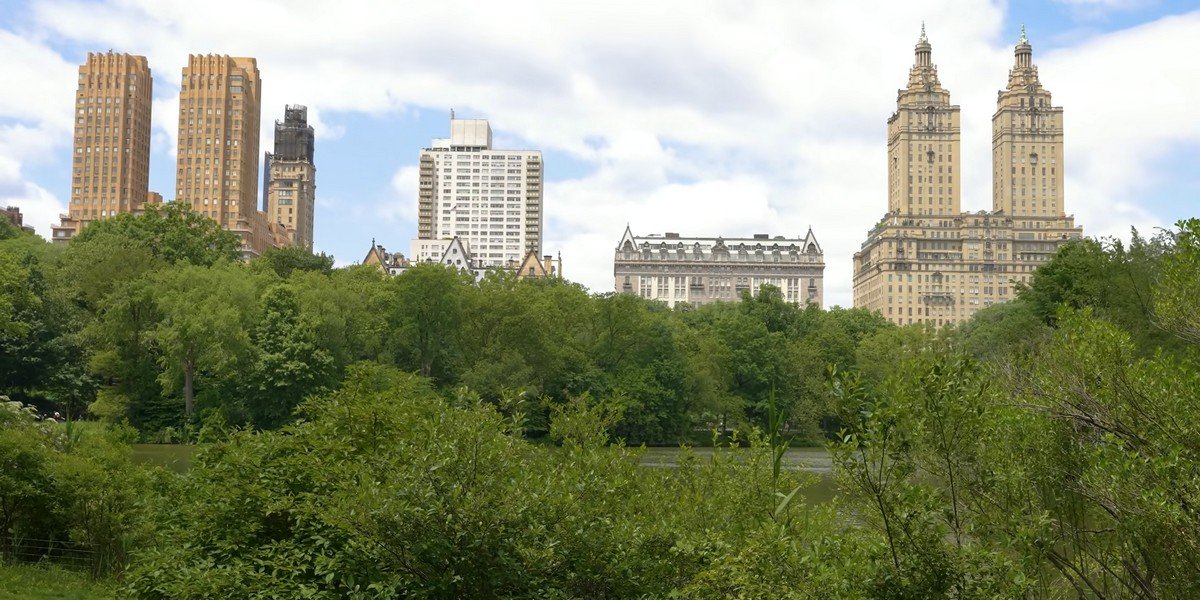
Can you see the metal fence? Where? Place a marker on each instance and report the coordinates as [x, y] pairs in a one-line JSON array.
[[58, 552]]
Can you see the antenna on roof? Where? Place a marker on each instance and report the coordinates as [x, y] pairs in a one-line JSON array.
[[452, 114]]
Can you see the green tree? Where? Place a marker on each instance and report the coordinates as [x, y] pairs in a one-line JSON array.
[[886, 352], [41, 354], [206, 314], [1000, 330], [283, 261], [1175, 301], [350, 310], [1114, 280], [172, 232], [94, 267], [288, 363], [426, 318]]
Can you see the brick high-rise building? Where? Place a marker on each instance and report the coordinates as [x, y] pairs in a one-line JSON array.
[[490, 199], [289, 177], [220, 102], [110, 172], [928, 262]]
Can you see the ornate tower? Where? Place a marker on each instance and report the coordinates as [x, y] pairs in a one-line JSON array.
[[289, 195], [1027, 143], [923, 143]]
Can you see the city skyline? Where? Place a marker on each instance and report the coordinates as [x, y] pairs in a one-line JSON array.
[[770, 122]]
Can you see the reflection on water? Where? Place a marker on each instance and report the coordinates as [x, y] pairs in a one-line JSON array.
[[814, 460], [175, 457]]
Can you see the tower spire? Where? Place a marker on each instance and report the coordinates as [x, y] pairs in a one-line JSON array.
[[926, 40], [1023, 51], [923, 49]]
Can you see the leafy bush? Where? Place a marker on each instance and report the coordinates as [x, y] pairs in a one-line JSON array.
[[383, 489], [72, 485]]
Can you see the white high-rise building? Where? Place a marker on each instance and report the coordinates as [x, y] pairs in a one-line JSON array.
[[491, 199]]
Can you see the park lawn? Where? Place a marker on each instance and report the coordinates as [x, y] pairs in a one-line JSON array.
[[46, 583]]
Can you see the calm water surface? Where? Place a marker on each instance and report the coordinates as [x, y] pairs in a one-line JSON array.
[[814, 460], [178, 458]]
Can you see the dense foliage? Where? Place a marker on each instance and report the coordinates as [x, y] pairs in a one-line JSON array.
[[151, 320], [422, 436]]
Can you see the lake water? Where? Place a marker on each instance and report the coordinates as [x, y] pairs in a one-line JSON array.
[[175, 457], [814, 460], [178, 458]]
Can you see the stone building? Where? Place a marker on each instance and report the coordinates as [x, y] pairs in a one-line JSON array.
[[289, 177], [456, 252], [926, 261], [13, 215], [537, 268], [699, 270]]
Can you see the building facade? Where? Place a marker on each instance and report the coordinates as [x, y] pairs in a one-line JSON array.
[[490, 198], [289, 177], [217, 161], [539, 268], [454, 252], [13, 215], [926, 261], [699, 270], [110, 172]]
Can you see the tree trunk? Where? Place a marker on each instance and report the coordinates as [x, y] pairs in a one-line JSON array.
[[188, 392]]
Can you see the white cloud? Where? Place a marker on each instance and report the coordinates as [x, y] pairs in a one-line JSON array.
[[1130, 102], [402, 205], [703, 119], [36, 102]]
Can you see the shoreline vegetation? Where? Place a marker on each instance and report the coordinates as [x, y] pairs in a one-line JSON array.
[[359, 436]]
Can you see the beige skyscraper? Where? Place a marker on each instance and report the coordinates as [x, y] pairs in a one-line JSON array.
[[110, 170], [1027, 143], [217, 160], [928, 262], [924, 135]]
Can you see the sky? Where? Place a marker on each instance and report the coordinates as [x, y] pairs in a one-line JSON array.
[[703, 118]]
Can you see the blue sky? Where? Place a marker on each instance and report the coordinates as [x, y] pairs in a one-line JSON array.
[[714, 119]]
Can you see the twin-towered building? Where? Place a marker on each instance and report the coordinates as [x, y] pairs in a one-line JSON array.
[[217, 159], [926, 261]]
